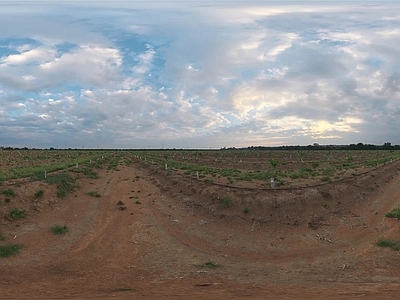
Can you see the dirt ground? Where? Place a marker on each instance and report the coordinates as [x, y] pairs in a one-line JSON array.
[[177, 240]]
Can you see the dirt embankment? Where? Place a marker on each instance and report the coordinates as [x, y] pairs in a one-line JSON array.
[[182, 238]]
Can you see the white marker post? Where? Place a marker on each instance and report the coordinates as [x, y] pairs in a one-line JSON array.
[[166, 166], [272, 183], [77, 165], [45, 174], [197, 175]]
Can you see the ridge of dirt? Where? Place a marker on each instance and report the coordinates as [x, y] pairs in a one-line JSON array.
[[174, 238]]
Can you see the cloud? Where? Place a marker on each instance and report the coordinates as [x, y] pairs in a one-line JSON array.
[[221, 74]]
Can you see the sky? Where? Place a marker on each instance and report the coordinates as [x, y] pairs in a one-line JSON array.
[[198, 74]]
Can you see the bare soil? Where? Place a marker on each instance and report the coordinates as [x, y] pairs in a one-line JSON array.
[[176, 239]]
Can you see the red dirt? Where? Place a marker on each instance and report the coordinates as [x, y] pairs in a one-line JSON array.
[[309, 243]]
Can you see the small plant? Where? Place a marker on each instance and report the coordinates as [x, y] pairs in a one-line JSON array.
[[395, 213], [325, 205], [16, 213], [9, 193], [209, 265], [93, 194], [246, 210], [8, 250], [59, 229], [395, 245], [7, 200], [39, 194], [226, 202]]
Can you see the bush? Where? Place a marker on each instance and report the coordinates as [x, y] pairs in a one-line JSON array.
[[8, 250], [16, 213]]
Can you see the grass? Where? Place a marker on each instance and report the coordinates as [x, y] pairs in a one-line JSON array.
[[9, 193], [10, 249], [16, 213], [59, 229], [394, 213], [395, 245], [39, 194], [226, 202], [93, 194], [209, 265], [65, 183]]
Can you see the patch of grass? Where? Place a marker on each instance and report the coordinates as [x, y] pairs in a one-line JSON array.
[[93, 194], [395, 245], [39, 194], [226, 202], [65, 183], [209, 265], [59, 229], [16, 213], [10, 249], [9, 193], [394, 213], [246, 210]]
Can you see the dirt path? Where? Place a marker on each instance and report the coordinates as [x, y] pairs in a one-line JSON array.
[[165, 244]]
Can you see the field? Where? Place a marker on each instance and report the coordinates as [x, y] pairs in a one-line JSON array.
[[199, 224]]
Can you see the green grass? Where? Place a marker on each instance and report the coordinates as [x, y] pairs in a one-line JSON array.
[[39, 194], [9, 192], [394, 213], [226, 202], [65, 183], [16, 213], [395, 245], [93, 194], [209, 265], [10, 249], [59, 229]]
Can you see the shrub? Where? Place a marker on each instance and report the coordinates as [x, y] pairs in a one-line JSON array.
[[16, 213], [59, 229], [8, 250]]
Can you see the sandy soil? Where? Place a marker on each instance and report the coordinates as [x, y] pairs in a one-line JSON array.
[[175, 239]]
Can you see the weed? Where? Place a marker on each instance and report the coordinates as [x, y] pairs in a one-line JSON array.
[[93, 194], [226, 202], [16, 213], [246, 210], [394, 213], [9, 192], [210, 265], [59, 229], [395, 245], [325, 205], [10, 249], [39, 194], [7, 200], [64, 181]]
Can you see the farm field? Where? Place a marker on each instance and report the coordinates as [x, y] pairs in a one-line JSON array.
[[200, 224]]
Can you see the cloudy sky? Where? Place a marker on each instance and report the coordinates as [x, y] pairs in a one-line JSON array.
[[206, 74]]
